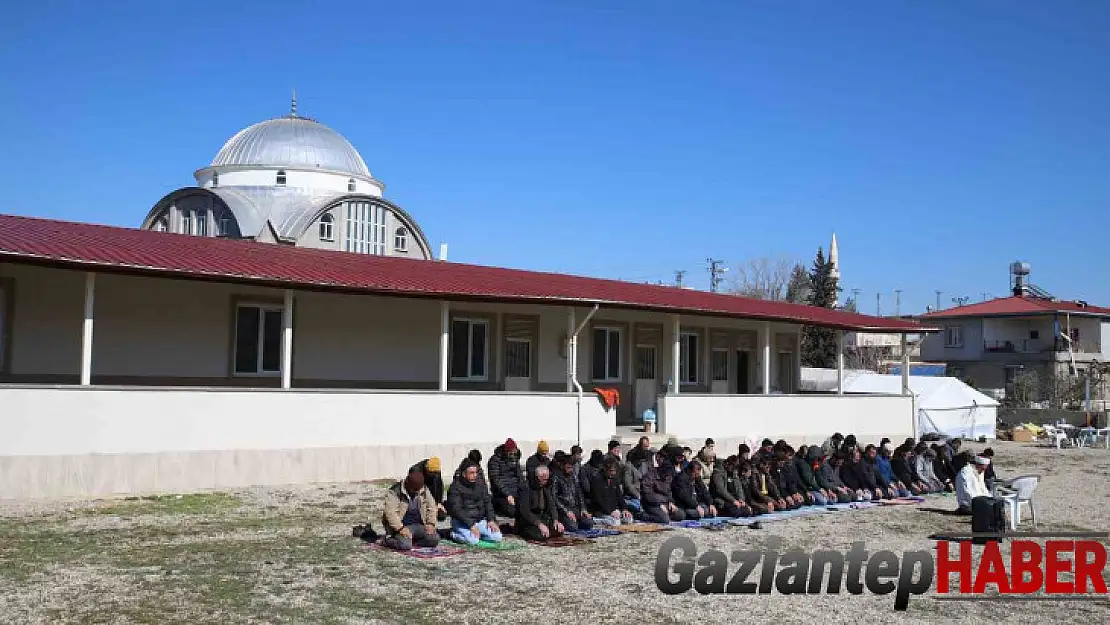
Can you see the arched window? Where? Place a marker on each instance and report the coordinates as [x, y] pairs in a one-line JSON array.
[[281, 178], [401, 240], [160, 225], [351, 185], [326, 230], [215, 179]]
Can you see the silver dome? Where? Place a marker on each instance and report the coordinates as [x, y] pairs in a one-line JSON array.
[[294, 142]]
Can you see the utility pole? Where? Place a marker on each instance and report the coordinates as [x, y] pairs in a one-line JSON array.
[[855, 297], [878, 304], [716, 273], [984, 296], [679, 274], [897, 302], [938, 292]]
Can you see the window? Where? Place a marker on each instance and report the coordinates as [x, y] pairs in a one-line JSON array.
[[257, 339], [718, 363], [401, 240], [518, 358], [216, 179], [1010, 373], [468, 349], [645, 362], [688, 358], [326, 223], [1074, 334], [953, 336], [365, 228], [607, 354], [350, 185], [1034, 335], [223, 227], [280, 178], [202, 223], [786, 372], [3, 324], [186, 222]]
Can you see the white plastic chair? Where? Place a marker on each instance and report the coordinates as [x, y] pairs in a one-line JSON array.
[[1059, 437], [1103, 433], [1021, 494]]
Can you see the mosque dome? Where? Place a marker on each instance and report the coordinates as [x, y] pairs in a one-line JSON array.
[[294, 142]]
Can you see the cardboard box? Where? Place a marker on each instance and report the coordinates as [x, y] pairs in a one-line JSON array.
[[1023, 436]]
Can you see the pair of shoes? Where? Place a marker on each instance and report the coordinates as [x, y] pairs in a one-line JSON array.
[[365, 532], [756, 526]]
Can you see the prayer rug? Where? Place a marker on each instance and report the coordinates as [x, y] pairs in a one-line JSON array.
[[901, 501], [706, 523], [561, 541], [506, 544], [643, 528], [594, 533], [423, 553]]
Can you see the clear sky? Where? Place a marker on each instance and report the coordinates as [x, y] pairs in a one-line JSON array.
[[940, 140]]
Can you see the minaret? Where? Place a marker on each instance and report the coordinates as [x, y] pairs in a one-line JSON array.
[[834, 260]]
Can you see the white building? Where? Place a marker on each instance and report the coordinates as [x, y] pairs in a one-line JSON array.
[[326, 349]]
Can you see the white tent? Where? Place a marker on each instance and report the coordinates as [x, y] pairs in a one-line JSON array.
[[944, 405]]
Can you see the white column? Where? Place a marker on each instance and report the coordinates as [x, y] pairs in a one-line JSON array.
[[766, 357], [676, 353], [572, 348], [840, 362], [905, 367], [287, 341], [87, 329], [444, 342]]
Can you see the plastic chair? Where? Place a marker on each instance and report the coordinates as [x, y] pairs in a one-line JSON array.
[[1058, 436], [1104, 433], [1022, 495]]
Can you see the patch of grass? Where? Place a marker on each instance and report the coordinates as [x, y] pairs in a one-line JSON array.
[[195, 503]]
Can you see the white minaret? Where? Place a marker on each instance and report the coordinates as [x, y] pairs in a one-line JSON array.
[[834, 258]]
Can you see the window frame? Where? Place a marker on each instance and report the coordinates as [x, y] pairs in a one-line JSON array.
[[263, 307], [959, 334], [200, 222], [215, 179], [223, 227], [365, 231], [654, 361], [401, 239], [527, 361], [187, 221], [609, 331], [281, 179], [685, 360], [713, 365], [326, 220], [471, 322]]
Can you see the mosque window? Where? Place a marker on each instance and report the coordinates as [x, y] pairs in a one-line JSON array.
[[365, 233], [326, 227], [351, 185], [215, 179], [281, 178], [401, 240], [202, 223], [186, 222], [223, 227]]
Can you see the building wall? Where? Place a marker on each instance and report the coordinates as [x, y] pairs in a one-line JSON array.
[[89, 441], [1104, 341], [1018, 331], [311, 236], [267, 177], [934, 349]]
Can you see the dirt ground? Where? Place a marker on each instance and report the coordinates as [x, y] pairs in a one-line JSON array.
[[286, 555]]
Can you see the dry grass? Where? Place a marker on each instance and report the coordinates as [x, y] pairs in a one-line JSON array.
[[285, 555]]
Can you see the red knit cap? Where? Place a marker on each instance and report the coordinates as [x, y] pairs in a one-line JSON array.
[[510, 444]]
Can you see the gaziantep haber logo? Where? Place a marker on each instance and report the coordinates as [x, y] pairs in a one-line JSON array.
[[1032, 572]]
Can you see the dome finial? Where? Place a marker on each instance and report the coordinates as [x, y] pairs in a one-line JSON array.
[[293, 111]]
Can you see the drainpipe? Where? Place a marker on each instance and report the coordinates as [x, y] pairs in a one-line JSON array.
[[573, 357]]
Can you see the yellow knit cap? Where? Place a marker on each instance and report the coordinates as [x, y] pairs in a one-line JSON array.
[[543, 447], [433, 464]]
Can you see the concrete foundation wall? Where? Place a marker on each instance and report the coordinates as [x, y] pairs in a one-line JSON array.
[[73, 441], [799, 419]]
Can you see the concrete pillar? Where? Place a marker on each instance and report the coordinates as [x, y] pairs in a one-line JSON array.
[[87, 329], [287, 341], [840, 362], [766, 357], [905, 367], [676, 353], [444, 342]]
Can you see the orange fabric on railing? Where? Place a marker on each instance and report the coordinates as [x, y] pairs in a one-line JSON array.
[[611, 397]]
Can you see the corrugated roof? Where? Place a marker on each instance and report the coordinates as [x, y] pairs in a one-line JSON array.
[[1017, 306], [125, 250]]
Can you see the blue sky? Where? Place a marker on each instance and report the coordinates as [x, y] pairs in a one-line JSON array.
[[940, 140]]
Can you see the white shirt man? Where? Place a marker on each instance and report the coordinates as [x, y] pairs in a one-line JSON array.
[[970, 484]]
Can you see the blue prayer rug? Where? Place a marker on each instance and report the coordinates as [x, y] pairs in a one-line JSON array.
[[594, 533]]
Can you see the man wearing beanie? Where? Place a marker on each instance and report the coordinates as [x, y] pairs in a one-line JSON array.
[[505, 477], [432, 469], [541, 457], [409, 517]]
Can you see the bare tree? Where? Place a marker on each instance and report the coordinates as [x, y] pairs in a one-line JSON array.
[[762, 278], [869, 358]]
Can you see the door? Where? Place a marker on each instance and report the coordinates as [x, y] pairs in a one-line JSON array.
[[786, 373], [646, 386], [743, 372], [518, 364]]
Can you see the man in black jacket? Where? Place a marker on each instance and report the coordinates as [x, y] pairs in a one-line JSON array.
[[883, 488], [471, 510], [589, 470], [537, 513], [656, 495], [903, 470], [726, 489], [607, 497], [568, 495], [856, 478], [505, 477], [802, 464], [763, 489], [691, 495], [538, 458], [789, 479], [641, 453], [828, 476]]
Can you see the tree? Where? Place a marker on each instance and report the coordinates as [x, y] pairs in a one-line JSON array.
[[819, 344], [797, 290], [762, 278]]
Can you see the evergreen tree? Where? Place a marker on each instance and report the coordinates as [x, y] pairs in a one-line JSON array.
[[796, 289], [819, 344]]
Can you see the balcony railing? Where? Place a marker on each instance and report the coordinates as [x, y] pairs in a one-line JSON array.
[[1037, 346]]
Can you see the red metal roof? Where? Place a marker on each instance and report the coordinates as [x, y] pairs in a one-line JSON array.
[[1017, 306], [125, 250]]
